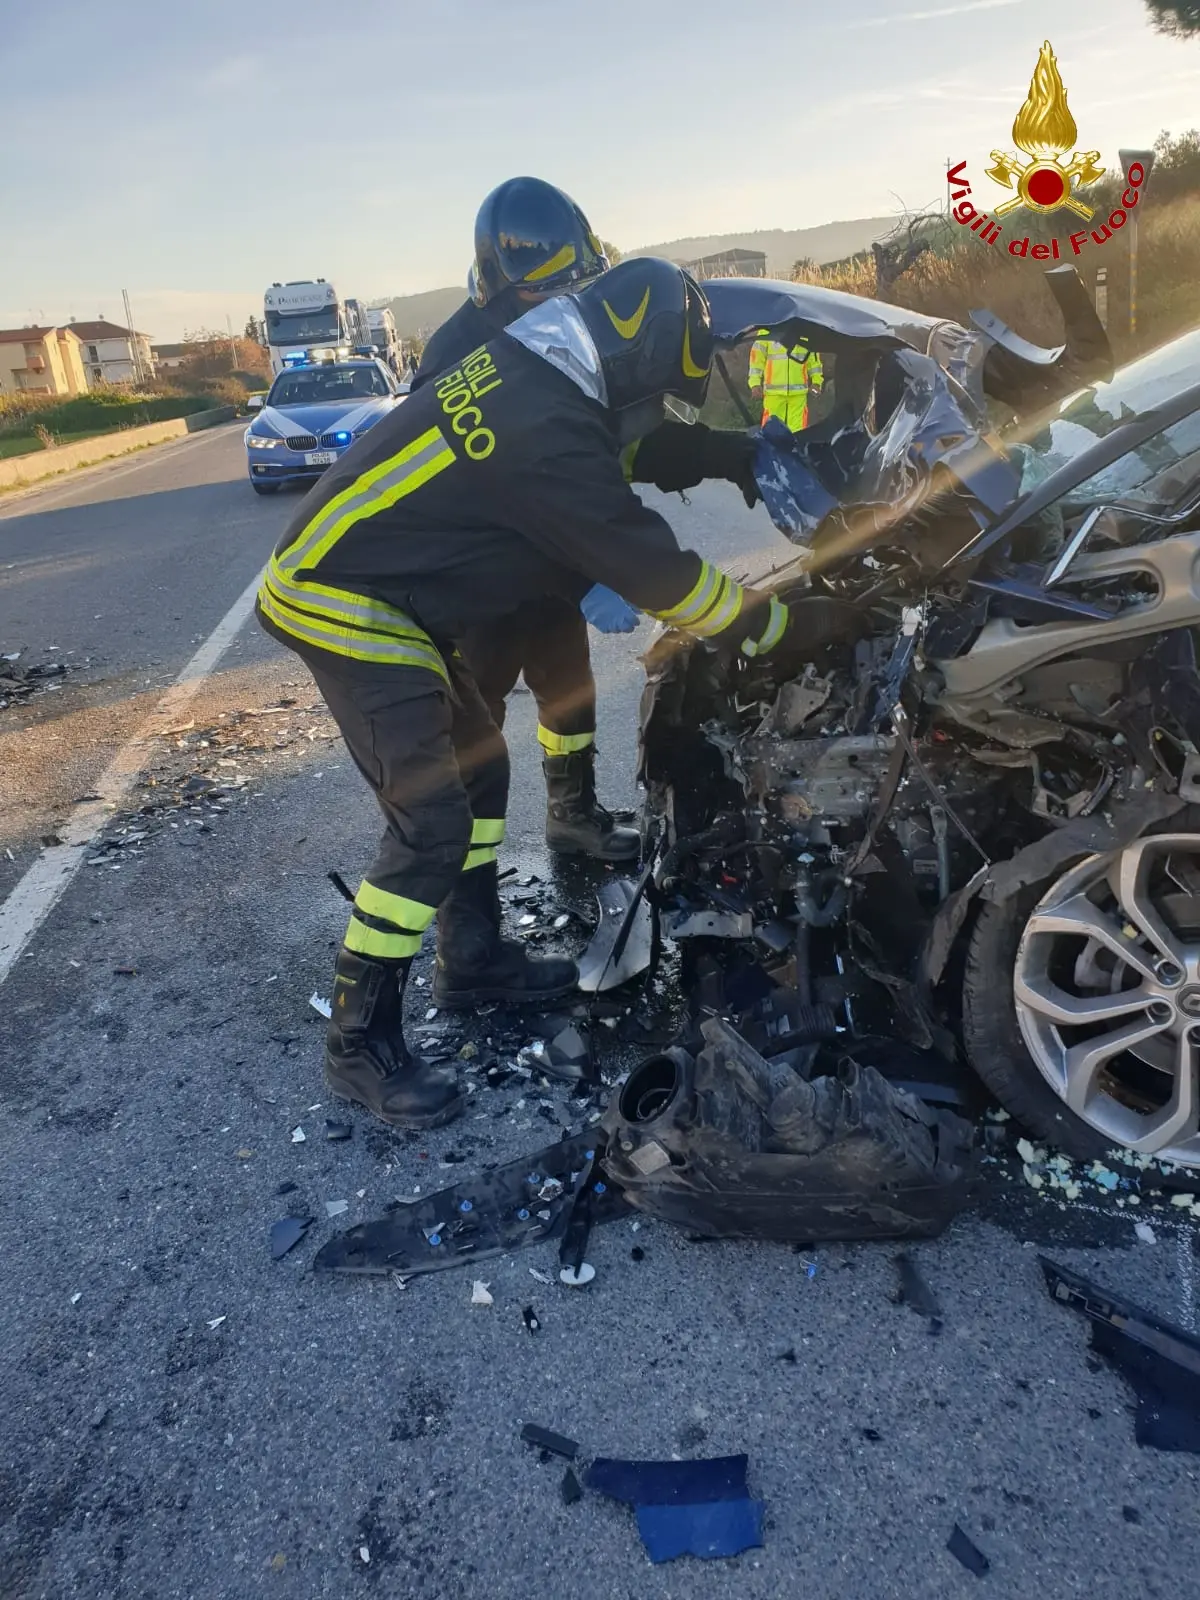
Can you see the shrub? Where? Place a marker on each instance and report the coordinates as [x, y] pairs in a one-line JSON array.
[[101, 410]]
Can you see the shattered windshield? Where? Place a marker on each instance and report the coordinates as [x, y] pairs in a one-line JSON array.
[[1094, 412]]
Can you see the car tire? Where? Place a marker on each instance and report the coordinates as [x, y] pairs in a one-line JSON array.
[[990, 1029], [265, 488], [992, 1034]]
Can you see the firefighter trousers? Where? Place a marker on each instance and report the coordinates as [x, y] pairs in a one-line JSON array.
[[438, 766], [546, 639]]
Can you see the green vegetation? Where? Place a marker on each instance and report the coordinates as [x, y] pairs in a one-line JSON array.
[[31, 422]]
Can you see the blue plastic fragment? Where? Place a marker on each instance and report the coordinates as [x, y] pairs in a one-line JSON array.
[[713, 1531], [465, 1205], [522, 1215], [699, 1508], [435, 1239], [600, 1188]]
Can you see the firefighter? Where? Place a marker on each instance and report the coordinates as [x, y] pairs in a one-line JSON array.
[[782, 378], [500, 482], [531, 242]]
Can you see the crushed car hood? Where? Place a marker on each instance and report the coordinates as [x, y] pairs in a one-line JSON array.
[[911, 404]]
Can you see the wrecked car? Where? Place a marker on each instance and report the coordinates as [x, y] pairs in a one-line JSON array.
[[976, 829]]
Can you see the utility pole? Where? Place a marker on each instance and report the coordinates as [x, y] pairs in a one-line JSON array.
[[1102, 295], [139, 371], [232, 345], [1145, 160]]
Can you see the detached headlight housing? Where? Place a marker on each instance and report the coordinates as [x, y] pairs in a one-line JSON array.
[[261, 441]]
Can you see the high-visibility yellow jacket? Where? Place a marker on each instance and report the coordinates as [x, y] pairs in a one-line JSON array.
[[786, 377]]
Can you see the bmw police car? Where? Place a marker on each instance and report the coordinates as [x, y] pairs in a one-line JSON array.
[[318, 405]]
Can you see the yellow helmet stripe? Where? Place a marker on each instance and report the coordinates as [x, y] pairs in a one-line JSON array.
[[628, 327], [565, 258], [690, 369]]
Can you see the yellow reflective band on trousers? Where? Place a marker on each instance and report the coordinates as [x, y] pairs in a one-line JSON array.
[[406, 921], [564, 744], [486, 834], [777, 616], [713, 605], [340, 620]]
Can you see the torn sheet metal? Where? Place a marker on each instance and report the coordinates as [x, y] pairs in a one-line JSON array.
[[521, 1203], [621, 947], [731, 1144], [1160, 1360]]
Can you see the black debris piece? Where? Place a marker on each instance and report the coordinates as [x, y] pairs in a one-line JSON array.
[[915, 1292], [1160, 1361], [18, 682], [342, 887], [544, 1439], [872, 1435], [288, 1187], [49, 840], [530, 1318], [336, 1132], [485, 1215], [788, 1355], [968, 1553], [730, 1143], [287, 1233], [568, 1056], [570, 1488], [1131, 1514], [637, 1253]]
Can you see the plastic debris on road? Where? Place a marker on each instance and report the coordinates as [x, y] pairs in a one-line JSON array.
[[577, 1277], [287, 1233], [555, 1444], [480, 1295], [699, 1508], [336, 1208], [1159, 1360], [337, 1132], [298, 1135], [531, 1320], [964, 1550], [320, 1004], [1145, 1233]]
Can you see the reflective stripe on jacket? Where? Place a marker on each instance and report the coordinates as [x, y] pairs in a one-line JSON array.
[[786, 378]]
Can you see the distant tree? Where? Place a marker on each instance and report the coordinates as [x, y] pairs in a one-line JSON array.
[[610, 250], [1179, 18], [212, 354], [253, 329]]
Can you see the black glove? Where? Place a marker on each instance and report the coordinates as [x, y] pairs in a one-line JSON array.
[[730, 455], [812, 623]]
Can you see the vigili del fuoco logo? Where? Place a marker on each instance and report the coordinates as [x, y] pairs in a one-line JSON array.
[[1048, 175]]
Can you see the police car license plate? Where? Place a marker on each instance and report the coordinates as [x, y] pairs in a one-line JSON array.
[[320, 458]]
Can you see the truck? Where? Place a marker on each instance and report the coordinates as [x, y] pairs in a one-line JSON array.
[[384, 337], [302, 314]]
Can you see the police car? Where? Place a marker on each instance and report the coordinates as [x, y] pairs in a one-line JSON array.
[[318, 405]]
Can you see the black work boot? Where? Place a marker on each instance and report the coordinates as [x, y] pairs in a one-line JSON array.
[[475, 965], [576, 822], [366, 1058]]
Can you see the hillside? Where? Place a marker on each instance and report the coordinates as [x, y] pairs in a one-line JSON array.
[[784, 246], [418, 314]]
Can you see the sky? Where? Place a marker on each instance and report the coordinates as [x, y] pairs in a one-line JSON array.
[[194, 154]]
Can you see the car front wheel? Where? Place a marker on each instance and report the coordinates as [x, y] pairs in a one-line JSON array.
[[1081, 1000]]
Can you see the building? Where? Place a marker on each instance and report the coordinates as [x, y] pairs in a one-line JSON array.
[[167, 356], [729, 264], [111, 354], [41, 361]]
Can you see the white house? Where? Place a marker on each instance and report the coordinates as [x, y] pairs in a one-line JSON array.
[[108, 352]]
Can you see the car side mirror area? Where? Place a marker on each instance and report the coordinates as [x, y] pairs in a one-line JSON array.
[[255, 402]]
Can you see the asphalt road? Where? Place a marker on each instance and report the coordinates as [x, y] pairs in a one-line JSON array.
[[184, 1417]]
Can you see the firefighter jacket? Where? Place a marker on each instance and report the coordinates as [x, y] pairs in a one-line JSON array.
[[786, 377], [496, 484]]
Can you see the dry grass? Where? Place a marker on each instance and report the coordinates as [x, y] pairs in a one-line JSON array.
[[971, 276]]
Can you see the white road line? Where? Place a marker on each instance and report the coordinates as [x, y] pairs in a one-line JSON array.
[[35, 896]]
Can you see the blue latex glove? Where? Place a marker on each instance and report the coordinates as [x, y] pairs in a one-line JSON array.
[[607, 612]]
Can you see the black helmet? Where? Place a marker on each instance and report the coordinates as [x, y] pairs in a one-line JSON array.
[[530, 235], [652, 329]]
